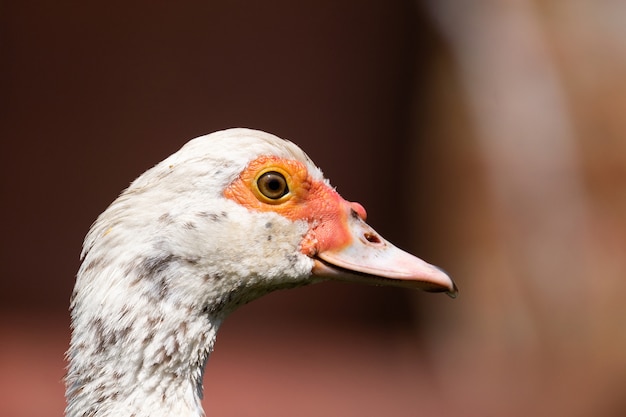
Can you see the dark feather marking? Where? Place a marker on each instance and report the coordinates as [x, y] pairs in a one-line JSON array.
[[100, 333], [202, 365], [99, 263], [215, 217], [154, 270], [166, 218], [189, 225], [155, 265], [163, 356], [149, 337], [125, 310], [192, 260], [213, 277], [153, 321], [73, 297], [105, 338]]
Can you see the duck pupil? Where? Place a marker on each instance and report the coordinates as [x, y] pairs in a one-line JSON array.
[[273, 185]]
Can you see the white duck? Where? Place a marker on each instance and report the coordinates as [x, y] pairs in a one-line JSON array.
[[229, 217]]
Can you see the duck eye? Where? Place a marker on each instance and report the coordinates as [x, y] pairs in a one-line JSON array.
[[273, 185]]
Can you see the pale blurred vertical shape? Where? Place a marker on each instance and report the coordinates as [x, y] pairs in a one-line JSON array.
[[541, 313]]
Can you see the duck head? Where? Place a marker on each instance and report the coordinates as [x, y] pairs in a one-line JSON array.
[[229, 217]]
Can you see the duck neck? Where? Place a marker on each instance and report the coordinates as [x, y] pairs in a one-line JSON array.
[[160, 376], [145, 359]]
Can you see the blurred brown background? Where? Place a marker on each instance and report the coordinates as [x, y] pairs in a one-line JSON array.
[[487, 137]]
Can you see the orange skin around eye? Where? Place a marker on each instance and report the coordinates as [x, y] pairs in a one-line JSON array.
[[315, 202]]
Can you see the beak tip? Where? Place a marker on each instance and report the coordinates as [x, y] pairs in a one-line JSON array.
[[450, 289], [446, 283], [454, 292]]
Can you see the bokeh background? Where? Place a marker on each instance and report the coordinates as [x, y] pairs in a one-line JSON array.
[[488, 137]]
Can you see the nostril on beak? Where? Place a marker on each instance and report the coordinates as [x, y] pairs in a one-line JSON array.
[[372, 238]]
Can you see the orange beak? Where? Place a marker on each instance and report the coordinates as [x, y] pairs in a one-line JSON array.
[[366, 257]]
